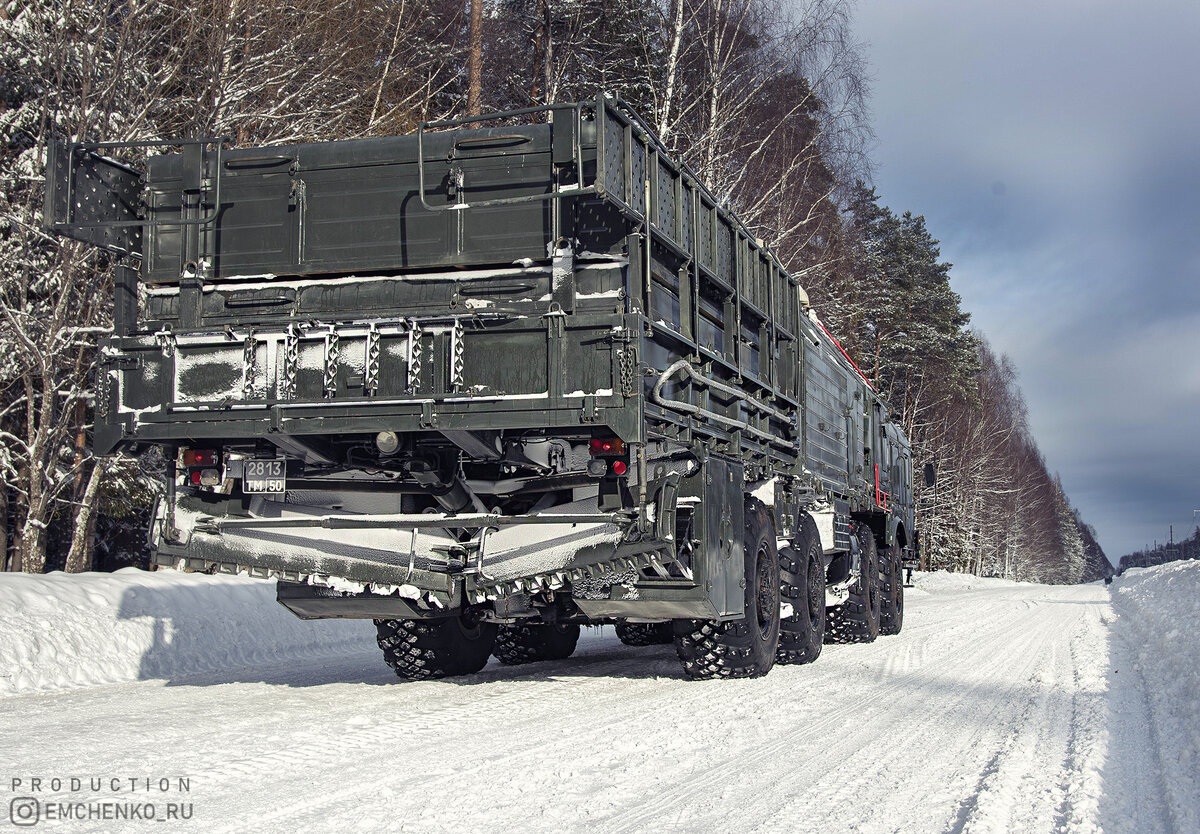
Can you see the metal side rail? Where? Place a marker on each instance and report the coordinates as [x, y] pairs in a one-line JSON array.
[[457, 521]]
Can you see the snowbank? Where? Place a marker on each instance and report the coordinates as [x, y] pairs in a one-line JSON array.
[[943, 581], [1158, 610], [63, 631]]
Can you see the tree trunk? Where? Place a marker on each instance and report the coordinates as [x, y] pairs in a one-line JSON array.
[[541, 35], [475, 60], [672, 71], [79, 559], [547, 54], [387, 65], [32, 549], [5, 555]]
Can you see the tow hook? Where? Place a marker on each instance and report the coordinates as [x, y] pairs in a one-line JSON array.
[[456, 559]]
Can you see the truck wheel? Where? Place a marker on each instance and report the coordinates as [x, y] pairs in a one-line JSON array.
[[857, 619], [645, 634], [802, 571], [530, 642], [743, 648], [891, 590], [441, 648]]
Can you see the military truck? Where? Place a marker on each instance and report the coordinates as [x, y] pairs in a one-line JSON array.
[[488, 383]]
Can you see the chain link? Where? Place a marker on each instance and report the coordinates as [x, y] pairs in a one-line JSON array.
[[332, 354], [414, 356], [456, 356], [102, 386], [166, 342], [249, 356], [628, 367], [291, 358], [371, 371]]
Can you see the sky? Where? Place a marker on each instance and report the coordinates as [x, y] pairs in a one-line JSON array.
[[1054, 149]]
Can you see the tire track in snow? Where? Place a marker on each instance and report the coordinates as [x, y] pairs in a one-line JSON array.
[[1112, 727], [536, 733], [830, 788], [1081, 783], [429, 720], [955, 738], [1032, 754], [1131, 729]]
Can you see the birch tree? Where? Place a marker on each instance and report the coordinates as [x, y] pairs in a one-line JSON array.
[[76, 70], [767, 101]]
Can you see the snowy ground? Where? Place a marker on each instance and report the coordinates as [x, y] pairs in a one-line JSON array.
[[1001, 707]]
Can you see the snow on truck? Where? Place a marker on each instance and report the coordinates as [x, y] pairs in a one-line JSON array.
[[488, 383]]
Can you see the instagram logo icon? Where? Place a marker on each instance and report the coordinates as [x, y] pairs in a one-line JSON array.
[[24, 810]]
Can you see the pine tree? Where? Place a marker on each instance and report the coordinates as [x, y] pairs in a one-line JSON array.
[[1069, 540]]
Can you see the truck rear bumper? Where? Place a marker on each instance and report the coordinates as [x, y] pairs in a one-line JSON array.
[[413, 563]]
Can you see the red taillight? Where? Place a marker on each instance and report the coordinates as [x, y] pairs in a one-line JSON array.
[[195, 477], [200, 457], [606, 446], [619, 467]]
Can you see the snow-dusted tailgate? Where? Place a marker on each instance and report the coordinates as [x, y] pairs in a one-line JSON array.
[[426, 372]]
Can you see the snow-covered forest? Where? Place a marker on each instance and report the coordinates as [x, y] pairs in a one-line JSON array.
[[767, 101], [1160, 554]]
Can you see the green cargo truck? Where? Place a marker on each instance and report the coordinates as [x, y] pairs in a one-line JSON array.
[[486, 384]]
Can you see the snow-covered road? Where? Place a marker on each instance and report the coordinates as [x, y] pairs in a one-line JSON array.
[[1001, 707]]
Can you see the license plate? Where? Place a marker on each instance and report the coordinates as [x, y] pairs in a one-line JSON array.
[[264, 476]]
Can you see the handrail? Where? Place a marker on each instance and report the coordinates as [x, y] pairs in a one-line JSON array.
[[730, 422], [737, 393], [515, 138], [252, 161], [576, 155]]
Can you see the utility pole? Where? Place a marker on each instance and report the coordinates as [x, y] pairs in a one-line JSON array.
[[475, 59]]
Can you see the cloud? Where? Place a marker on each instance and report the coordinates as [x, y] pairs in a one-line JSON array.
[[1052, 149]]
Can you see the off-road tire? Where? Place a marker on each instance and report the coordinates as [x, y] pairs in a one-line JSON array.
[[743, 648], [645, 634], [857, 619], [802, 574], [530, 642], [891, 590], [441, 648]]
